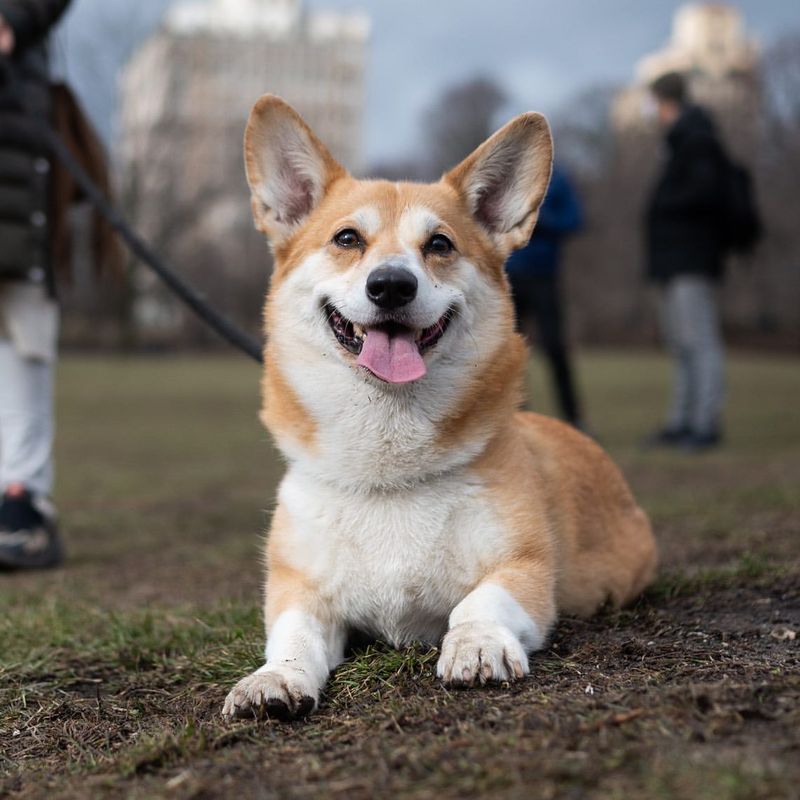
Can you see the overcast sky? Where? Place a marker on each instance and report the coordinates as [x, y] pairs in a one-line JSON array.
[[542, 51]]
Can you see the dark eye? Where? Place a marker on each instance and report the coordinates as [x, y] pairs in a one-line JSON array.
[[348, 238], [439, 245]]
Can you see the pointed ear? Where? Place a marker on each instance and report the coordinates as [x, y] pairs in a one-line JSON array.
[[289, 170], [504, 181]]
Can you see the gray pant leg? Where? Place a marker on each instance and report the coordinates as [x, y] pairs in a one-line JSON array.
[[709, 359], [682, 400], [694, 332], [26, 420]]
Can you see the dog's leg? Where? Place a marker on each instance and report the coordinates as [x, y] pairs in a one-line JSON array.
[[301, 652], [492, 630]]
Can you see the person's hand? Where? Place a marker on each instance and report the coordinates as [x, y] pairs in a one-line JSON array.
[[7, 38]]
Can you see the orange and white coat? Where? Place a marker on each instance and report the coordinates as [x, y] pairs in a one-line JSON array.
[[430, 510]]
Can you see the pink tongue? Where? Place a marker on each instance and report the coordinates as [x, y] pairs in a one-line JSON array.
[[394, 358]]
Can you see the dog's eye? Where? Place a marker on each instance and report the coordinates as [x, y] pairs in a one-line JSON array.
[[348, 238], [439, 245]]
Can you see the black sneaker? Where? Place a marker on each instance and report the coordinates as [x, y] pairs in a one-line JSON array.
[[699, 442], [28, 533], [667, 437]]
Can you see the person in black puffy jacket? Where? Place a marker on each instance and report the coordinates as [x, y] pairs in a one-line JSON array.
[[28, 311], [686, 259]]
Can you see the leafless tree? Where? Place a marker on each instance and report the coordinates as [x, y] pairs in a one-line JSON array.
[[459, 120], [584, 137], [778, 179], [781, 87]]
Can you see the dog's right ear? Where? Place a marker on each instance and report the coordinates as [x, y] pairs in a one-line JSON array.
[[288, 168]]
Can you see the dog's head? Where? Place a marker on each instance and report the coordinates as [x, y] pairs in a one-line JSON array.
[[389, 278]]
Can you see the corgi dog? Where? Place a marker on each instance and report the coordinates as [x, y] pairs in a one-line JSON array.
[[419, 504]]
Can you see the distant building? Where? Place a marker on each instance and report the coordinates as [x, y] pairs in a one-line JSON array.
[[185, 97], [709, 44]]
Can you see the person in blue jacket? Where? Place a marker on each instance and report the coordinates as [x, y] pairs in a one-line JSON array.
[[533, 272]]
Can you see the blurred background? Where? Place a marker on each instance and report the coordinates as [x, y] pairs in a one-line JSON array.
[[404, 92]]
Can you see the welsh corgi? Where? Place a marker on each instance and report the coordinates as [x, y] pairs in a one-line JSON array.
[[419, 504]]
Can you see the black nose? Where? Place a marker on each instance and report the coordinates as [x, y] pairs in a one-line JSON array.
[[391, 287]]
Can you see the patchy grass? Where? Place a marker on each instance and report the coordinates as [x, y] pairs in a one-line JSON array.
[[750, 569], [113, 670]]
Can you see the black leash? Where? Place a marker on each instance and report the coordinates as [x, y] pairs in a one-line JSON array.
[[221, 324]]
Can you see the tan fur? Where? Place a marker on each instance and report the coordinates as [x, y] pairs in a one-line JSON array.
[[489, 396], [574, 506], [563, 532], [283, 414], [282, 409], [346, 194], [573, 516], [289, 587], [571, 510]]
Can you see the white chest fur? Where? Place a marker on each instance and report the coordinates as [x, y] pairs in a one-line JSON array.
[[393, 564]]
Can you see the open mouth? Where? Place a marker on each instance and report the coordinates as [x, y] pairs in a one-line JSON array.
[[389, 350]]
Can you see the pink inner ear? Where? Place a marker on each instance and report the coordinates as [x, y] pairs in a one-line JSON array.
[[298, 200], [497, 175], [488, 210]]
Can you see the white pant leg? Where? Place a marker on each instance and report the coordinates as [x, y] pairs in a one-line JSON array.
[[26, 420]]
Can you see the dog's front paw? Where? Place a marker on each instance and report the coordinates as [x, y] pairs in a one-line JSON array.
[[277, 692], [481, 651]]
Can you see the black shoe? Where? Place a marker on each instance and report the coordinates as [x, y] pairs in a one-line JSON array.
[[699, 442], [667, 437], [28, 533]]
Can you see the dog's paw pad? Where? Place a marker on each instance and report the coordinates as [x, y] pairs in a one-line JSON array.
[[268, 694], [481, 652]]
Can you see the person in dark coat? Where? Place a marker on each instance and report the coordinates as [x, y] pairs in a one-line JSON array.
[[28, 311], [533, 272], [686, 260]]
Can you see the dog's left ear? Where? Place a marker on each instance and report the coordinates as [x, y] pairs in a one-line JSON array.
[[288, 168], [504, 181]]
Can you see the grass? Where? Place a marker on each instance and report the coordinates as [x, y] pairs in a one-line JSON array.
[[113, 670], [748, 568]]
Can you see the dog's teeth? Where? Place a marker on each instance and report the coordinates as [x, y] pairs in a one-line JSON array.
[[359, 331]]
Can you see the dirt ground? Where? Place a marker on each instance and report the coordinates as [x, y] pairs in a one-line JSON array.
[[113, 670]]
